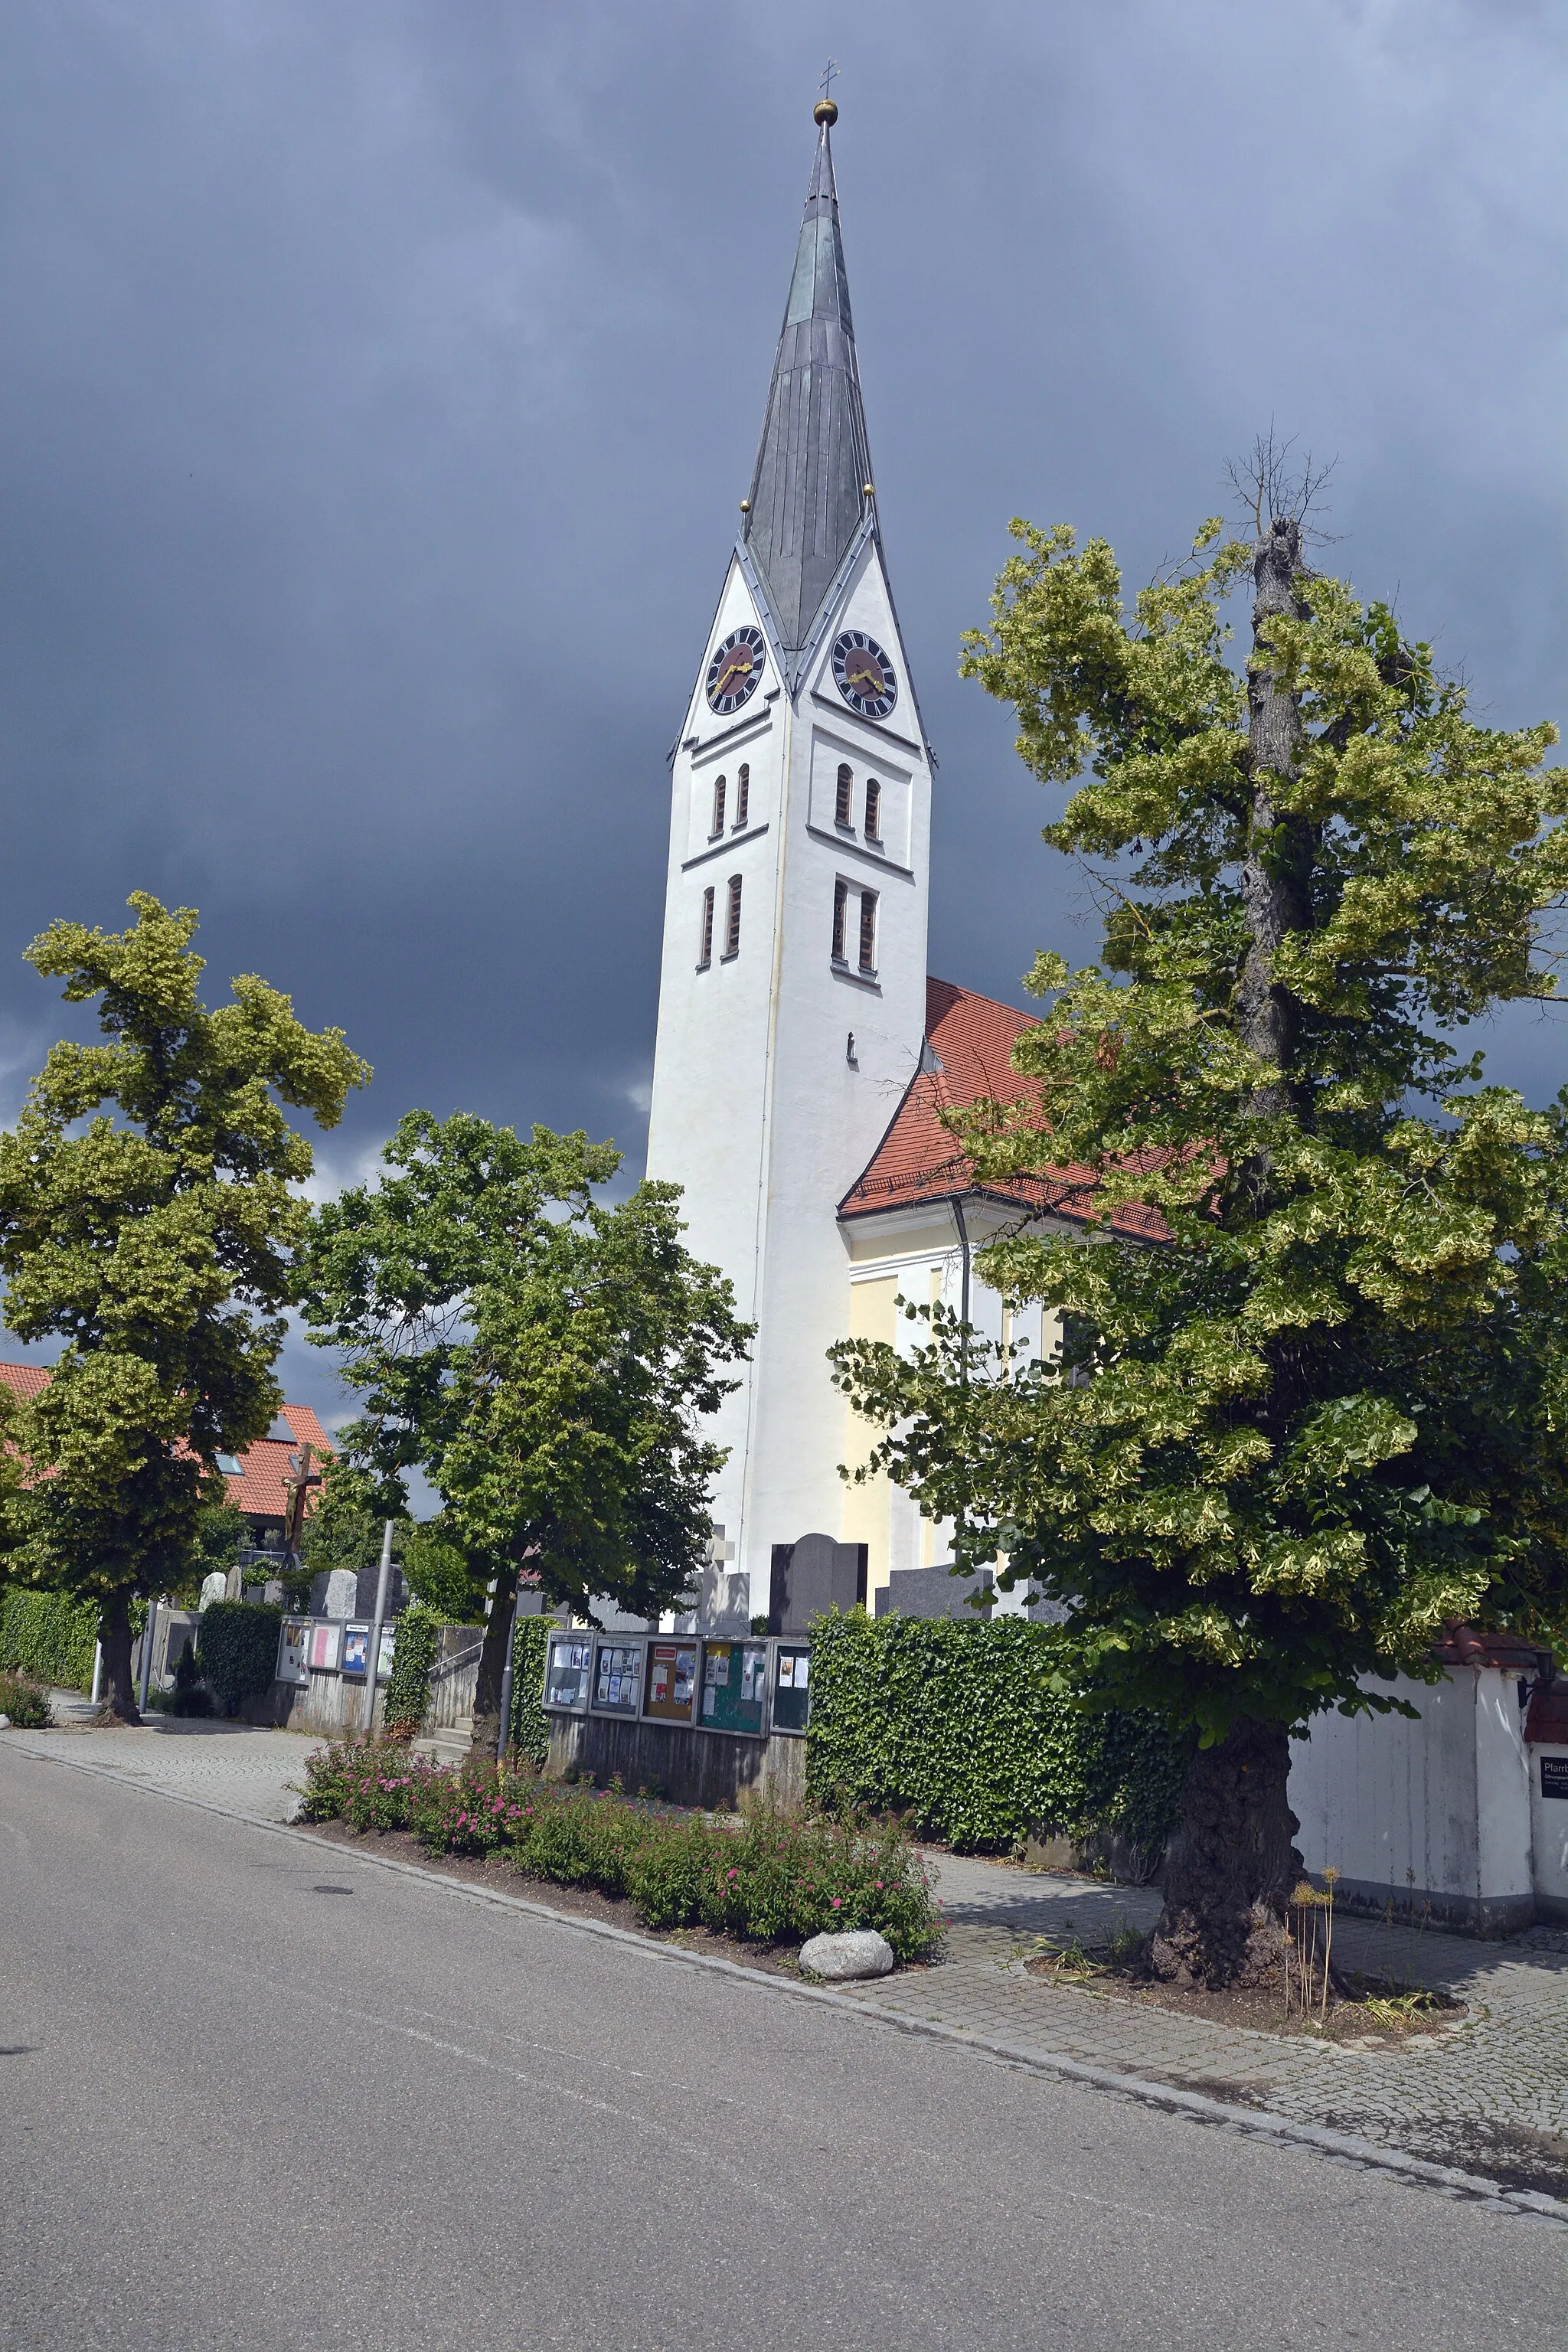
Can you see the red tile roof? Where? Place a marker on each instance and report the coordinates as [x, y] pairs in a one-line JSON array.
[[972, 1038], [264, 1468]]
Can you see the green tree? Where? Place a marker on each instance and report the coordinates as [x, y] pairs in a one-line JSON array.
[[1278, 1452], [148, 1212], [544, 1357]]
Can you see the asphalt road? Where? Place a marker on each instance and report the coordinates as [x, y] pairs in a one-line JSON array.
[[255, 2093]]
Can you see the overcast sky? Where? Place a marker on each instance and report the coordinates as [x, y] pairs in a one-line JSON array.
[[380, 381]]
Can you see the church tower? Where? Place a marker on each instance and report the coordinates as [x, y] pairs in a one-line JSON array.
[[792, 990]]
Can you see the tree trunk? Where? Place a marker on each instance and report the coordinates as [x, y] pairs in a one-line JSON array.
[[1276, 872], [118, 1693], [488, 1743], [1231, 1866]]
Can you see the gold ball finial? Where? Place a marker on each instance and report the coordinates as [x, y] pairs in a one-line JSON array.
[[745, 506], [825, 111], [867, 490]]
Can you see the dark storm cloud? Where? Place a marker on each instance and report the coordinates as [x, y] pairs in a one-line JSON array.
[[381, 381]]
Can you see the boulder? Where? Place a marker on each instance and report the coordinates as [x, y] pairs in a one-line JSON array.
[[839, 1958]]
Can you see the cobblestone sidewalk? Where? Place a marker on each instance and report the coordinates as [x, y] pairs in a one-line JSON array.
[[1487, 2093]]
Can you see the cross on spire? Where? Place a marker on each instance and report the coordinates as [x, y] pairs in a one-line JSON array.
[[829, 72]]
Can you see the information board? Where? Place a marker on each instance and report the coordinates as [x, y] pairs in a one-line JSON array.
[[356, 1649], [293, 1650], [734, 1685], [566, 1672], [325, 1635], [792, 1688], [671, 1681], [1554, 1775], [618, 1678]]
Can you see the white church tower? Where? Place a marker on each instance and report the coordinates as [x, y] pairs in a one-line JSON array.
[[793, 993]]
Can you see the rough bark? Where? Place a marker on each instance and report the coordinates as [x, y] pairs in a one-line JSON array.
[[1231, 1866], [485, 1745], [118, 1688], [1276, 872]]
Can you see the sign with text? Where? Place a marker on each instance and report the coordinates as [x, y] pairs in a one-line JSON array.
[[356, 1649], [792, 1688], [618, 1678], [1554, 1775], [671, 1681], [734, 1687], [566, 1672]]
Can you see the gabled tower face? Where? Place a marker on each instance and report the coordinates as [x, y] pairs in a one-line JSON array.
[[791, 999]]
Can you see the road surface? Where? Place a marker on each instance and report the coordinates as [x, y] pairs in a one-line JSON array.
[[255, 2093]]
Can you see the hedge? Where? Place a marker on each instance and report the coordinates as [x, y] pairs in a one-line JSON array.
[[48, 1637], [237, 1650], [409, 1685], [956, 1727], [529, 1724]]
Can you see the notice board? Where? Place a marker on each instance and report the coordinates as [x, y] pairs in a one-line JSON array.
[[325, 1637], [293, 1645], [671, 1693], [792, 1688], [566, 1672], [356, 1649], [734, 1687], [618, 1678]]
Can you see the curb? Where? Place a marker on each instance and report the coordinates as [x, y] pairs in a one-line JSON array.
[[1252, 2123]]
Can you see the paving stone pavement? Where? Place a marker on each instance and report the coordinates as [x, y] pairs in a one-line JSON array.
[[1458, 2095]]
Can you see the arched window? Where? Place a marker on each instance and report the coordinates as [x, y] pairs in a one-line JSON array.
[[840, 901], [843, 802], [718, 825], [867, 930], [705, 934], [732, 920], [873, 809], [742, 796]]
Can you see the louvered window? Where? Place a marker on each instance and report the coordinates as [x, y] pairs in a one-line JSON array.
[[844, 801], [705, 938], [718, 825], [732, 920], [840, 900], [873, 809], [743, 797], [867, 930]]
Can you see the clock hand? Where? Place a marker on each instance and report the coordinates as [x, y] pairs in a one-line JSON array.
[[736, 668]]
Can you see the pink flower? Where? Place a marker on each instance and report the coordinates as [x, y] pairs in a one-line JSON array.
[[838, 1902]]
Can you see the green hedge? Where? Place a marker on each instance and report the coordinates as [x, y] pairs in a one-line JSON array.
[[409, 1685], [48, 1637], [236, 1651], [529, 1724], [956, 1726]]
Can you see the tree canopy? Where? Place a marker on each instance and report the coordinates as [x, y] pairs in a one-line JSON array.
[[1278, 1452], [149, 1215]]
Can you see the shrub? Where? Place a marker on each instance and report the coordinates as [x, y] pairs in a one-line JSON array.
[[775, 1878], [48, 1637], [26, 1703], [529, 1724], [238, 1657], [973, 1733], [409, 1685]]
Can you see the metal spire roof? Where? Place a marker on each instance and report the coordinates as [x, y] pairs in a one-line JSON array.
[[809, 491]]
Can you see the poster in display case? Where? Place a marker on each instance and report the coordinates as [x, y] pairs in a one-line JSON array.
[[325, 1635], [671, 1681], [388, 1651], [734, 1687], [356, 1649], [566, 1672], [293, 1650], [792, 1688], [618, 1678]]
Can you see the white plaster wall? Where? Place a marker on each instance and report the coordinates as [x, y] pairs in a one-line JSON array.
[[1433, 1809]]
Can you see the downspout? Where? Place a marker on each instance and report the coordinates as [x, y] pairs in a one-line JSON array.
[[964, 1291]]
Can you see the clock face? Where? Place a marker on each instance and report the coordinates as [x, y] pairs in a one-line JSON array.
[[734, 672], [866, 677]]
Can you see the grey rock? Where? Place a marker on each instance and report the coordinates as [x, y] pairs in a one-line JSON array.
[[838, 1959]]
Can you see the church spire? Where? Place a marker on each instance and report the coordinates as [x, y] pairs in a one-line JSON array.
[[812, 486]]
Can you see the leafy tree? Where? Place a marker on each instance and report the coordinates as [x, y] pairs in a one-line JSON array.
[[545, 1358], [442, 1575], [221, 1531], [148, 1212], [1278, 1452]]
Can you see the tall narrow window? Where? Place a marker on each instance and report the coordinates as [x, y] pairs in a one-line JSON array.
[[840, 900], [873, 809], [705, 936], [844, 801], [732, 920], [718, 825], [867, 930], [743, 797]]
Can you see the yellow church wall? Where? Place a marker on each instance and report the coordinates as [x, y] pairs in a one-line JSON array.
[[867, 1509]]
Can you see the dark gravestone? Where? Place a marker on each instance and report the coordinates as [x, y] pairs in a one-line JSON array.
[[811, 1577], [931, 1592]]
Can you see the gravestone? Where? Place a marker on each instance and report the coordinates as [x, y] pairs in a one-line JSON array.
[[932, 1593], [812, 1576]]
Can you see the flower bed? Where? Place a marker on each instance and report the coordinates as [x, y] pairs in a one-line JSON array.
[[771, 1880]]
